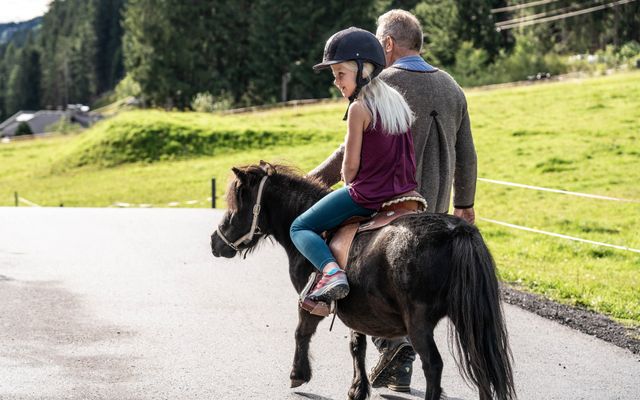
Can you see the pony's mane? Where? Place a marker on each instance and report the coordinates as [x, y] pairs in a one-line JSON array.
[[293, 176]]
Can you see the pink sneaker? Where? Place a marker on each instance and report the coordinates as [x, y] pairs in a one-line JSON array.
[[332, 286]]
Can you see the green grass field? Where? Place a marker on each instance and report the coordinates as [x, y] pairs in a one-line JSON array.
[[581, 135]]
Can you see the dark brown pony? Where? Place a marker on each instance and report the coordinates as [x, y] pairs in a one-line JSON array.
[[404, 278]]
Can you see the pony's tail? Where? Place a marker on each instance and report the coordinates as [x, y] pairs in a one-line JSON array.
[[479, 335]]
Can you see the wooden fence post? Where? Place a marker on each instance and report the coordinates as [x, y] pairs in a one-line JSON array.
[[213, 193]]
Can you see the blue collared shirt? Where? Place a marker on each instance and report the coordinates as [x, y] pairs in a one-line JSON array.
[[413, 63]]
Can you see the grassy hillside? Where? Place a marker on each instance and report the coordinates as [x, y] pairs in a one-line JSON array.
[[151, 136], [581, 135]]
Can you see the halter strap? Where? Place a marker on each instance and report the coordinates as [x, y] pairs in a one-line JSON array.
[[254, 223]]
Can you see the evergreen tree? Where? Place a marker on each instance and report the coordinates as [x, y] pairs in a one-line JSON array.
[[32, 73], [439, 20], [287, 38], [175, 50], [81, 42], [109, 63], [477, 25], [23, 85], [257, 51]]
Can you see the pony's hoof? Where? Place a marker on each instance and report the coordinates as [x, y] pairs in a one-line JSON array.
[[358, 393], [297, 382]]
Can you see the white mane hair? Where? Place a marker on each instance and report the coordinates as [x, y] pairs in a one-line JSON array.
[[384, 101]]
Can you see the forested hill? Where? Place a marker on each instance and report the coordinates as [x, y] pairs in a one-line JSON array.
[[250, 52], [73, 55], [17, 31]]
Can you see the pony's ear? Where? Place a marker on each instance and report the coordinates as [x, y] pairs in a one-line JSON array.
[[268, 168], [240, 174]]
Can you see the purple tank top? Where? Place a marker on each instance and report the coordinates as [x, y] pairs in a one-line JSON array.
[[387, 167]]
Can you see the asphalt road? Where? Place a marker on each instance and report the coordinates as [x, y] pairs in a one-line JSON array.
[[130, 304]]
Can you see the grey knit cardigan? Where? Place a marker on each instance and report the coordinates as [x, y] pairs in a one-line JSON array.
[[445, 154]]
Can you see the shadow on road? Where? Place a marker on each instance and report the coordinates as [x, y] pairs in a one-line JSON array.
[[415, 394], [312, 396], [50, 330]]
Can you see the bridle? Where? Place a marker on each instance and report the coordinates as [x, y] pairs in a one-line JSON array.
[[255, 229]]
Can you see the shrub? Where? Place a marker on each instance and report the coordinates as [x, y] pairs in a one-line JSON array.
[[23, 129], [64, 126], [629, 53], [206, 102], [203, 102], [470, 68], [127, 87]]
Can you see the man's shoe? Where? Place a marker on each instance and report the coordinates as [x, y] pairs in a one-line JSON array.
[[394, 369], [332, 286]]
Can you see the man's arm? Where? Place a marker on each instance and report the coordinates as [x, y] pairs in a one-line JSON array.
[[464, 184], [329, 171]]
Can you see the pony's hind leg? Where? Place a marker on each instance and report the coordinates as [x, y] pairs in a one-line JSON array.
[[421, 335], [360, 386], [307, 325]]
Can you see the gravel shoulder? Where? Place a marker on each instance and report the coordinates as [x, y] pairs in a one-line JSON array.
[[581, 319]]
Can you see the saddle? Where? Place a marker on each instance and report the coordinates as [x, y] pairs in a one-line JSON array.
[[341, 238]]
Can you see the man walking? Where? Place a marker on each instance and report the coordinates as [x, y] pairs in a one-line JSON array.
[[444, 150]]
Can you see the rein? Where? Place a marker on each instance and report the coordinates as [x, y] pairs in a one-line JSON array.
[[255, 229]]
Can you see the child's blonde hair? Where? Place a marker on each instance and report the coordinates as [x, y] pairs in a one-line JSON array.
[[382, 100]]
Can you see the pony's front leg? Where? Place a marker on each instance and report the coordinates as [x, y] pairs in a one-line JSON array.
[[360, 386], [307, 325]]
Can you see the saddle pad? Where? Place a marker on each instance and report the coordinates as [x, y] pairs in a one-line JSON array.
[[340, 244], [411, 200]]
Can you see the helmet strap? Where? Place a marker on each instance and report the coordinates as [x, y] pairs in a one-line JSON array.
[[360, 82]]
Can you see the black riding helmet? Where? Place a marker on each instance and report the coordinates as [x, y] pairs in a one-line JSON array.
[[354, 44]]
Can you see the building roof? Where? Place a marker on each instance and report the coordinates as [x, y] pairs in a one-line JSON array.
[[39, 121], [13, 118]]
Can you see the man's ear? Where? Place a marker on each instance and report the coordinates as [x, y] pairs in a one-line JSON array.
[[388, 44]]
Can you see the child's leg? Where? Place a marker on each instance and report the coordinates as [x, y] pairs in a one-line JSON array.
[[305, 231], [327, 213]]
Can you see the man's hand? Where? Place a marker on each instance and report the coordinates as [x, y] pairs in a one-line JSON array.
[[465, 213]]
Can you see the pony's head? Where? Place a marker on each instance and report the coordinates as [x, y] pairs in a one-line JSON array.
[[243, 224], [255, 194]]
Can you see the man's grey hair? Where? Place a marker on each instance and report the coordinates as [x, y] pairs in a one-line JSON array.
[[403, 27]]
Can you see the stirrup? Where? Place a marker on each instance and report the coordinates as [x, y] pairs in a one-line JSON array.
[[319, 308]]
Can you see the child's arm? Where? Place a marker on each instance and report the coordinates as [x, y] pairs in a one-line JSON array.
[[357, 120]]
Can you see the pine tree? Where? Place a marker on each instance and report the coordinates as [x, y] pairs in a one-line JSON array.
[[439, 20], [477, 25], [23, 84], [78, 49], [109, 63], [287, 38]]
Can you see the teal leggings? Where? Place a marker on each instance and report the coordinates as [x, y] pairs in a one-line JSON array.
[[327, 213]]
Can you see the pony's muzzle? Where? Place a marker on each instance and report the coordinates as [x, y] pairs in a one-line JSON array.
[[219, 248]]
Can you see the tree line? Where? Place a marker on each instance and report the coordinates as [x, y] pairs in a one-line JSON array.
[[249, 52]]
